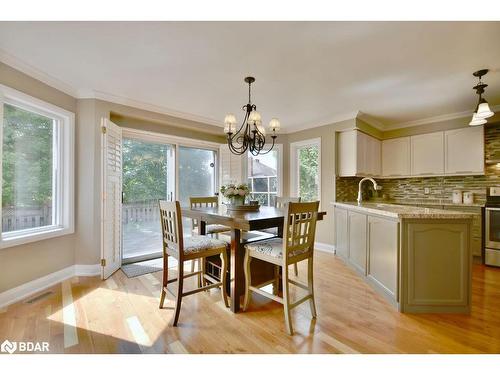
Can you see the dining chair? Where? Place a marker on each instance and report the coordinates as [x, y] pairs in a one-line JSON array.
[[210, 229], [296, 245], [185, 249], [280, 202]]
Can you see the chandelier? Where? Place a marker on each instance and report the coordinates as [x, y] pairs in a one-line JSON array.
[[251, 135], [482, 111]]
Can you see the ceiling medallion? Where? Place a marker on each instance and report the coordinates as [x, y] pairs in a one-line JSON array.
[[251, 135]]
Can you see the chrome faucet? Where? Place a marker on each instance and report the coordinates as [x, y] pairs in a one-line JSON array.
[[375, 186]]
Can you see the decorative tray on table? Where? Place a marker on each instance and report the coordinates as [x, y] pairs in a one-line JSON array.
[[243, 207]]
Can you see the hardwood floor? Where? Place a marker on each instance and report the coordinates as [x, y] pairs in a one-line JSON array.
[[121, 315]]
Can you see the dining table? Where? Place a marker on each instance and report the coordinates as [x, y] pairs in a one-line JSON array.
[[242, 224]]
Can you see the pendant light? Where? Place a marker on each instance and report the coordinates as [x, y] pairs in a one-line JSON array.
[[483, 110]]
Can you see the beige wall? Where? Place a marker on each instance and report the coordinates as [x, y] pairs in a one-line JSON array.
[[23, 263], [328, 155]]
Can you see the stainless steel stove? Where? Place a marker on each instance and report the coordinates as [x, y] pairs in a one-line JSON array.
[[491, 242]]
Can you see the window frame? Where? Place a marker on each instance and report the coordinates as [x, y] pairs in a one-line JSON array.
[[63, 168], [279, 173], [294, 164]]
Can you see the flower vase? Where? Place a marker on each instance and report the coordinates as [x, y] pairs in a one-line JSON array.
[[237, 200]]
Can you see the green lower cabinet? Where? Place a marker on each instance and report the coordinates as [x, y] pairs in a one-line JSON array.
[[341, 233], [436, 266], [357, 240], [383, 255]]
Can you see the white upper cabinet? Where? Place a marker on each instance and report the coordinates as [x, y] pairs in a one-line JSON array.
[[464, 151], [358, 154], [396, 157], [427, 154], [444, 153]]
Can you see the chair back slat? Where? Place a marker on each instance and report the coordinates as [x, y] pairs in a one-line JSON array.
[[299, 228], [171, 226], [282, 201], [199, 202]]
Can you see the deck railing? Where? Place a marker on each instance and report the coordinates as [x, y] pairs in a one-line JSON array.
[[143, 211], [15, 218]]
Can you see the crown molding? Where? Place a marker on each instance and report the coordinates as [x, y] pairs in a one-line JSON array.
[[37, 74], [370, 120], [329, 121], [137, 104], [434, 119]]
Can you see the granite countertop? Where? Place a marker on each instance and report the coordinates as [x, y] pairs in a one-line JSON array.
[[433, 203], [403, 211]]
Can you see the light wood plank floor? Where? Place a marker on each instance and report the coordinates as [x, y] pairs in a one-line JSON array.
[[121, 315]]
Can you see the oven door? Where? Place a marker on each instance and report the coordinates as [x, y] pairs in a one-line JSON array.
[[492, 227]]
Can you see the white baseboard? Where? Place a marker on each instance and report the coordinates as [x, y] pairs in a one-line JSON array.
[[25, 290], [324, 247], [87, 269]]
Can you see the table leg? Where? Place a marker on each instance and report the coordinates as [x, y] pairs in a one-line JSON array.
[[202, 227], [236, 270]]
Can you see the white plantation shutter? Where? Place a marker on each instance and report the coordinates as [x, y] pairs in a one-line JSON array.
[[111, 197]]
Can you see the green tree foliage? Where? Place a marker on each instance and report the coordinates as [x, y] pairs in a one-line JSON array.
[[308, 164], [27, 158], [145, 168], [146, 171]]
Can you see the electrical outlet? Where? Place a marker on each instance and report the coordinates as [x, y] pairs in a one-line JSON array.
[[494, 191], [427, 191]]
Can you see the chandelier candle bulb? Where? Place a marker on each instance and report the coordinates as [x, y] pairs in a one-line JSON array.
[[274, 125]]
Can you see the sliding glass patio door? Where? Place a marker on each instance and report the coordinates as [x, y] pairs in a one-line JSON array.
[[154, 170], [148, 176], [197, 176]]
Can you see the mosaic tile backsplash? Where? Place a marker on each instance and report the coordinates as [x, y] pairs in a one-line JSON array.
[[441, 188]]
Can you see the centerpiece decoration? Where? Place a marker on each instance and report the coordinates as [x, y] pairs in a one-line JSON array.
[[236, 195]]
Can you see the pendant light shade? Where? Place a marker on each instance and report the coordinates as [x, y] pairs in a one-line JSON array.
[[483, 110], [476, 121]]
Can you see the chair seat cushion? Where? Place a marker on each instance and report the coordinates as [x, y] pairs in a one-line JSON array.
[[272, 247], [199, 244]]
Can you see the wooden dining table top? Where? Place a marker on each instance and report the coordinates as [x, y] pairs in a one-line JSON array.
[[266, 217]]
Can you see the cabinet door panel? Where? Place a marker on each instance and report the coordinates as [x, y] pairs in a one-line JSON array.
[[427, 154], [346, 142], [396, 157], [357, 241], [341, 233], [464, 151], [383, 248]]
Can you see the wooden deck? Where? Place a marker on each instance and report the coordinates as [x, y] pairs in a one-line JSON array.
[[121, 315]]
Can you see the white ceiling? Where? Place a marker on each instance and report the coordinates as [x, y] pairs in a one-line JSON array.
[[308, 73]]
